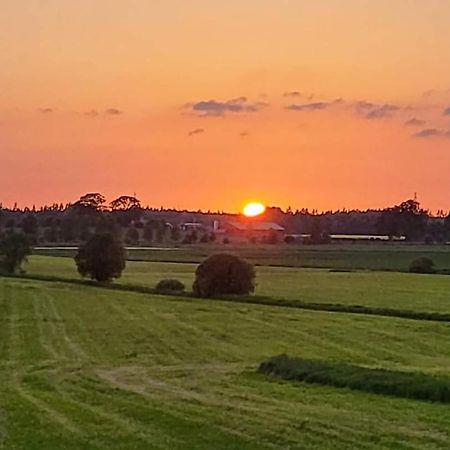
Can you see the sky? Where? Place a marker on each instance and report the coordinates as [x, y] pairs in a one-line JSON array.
[[204, 104]]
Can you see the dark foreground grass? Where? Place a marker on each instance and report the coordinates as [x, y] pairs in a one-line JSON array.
[[377, 381], [256, 300]]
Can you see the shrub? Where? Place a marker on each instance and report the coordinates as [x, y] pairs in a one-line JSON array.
[[101, 258], [224, 274], [289, 240], [170, 286], [377, 381], [14, 250], [422, 265]]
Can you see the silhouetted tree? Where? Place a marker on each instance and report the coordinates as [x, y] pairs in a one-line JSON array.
[[14, 250], [447, 227], [175, 234], [92, 200], [126, 209], [125, 203], [30, 224], [407, 219], [132, 236], [148, 234], [50, 234], [319, 235], [101, 258], [68, 230]]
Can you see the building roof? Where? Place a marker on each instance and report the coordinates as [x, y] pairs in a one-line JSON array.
[[256, 226]]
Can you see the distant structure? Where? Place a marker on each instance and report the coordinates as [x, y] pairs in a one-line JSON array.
[[253, 229], [192, 226]]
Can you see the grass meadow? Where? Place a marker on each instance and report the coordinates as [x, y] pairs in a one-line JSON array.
[[86, 367], [396, 290], [369, 256]]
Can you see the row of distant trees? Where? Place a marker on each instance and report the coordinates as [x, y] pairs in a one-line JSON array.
[[127, 218]]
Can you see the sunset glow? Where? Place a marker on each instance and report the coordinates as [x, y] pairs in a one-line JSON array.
[[254, 209], [332, 104]]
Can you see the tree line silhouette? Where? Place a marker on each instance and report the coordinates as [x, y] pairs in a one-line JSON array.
[[135, 224]]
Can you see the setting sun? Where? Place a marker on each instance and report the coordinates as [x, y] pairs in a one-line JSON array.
[[254, 209]]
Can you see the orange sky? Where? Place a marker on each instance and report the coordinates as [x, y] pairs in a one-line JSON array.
[[208, 104]]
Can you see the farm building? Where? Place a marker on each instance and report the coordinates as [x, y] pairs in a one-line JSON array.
[[252, 229]]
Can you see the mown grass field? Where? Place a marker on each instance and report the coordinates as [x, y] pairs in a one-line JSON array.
[[89, 368], [370, 256], [376, 289]]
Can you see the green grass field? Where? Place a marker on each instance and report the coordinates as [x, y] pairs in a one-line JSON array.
[[89, 368], [377, 289], [370, 256]]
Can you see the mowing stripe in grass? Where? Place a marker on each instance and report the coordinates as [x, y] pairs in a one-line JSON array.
[[258, 300], [377, 381]]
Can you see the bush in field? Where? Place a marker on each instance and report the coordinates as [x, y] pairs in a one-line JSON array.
[[101, 258], [224, 274], [14, 250], [289, 240], [170, 286], [422, 265]]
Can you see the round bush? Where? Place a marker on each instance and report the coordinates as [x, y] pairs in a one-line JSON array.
[[289, 240], [422, 265], [170, 286], [14, 250], [224, 274], [101, 258]]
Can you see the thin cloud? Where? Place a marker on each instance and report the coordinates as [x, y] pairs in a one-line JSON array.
[[436, 94], [415, 122], [221, 108], [316, 106], [113, 112], [429, 93], [46, 110], [196, 131], [244, 133], [447, 111], [292, 94], [432, 133], [92, 113], [375, 111]]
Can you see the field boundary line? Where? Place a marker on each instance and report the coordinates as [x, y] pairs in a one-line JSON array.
[[266, 301]]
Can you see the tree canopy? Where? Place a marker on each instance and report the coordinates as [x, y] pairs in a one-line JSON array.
[[101, 258], [14, 250]]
